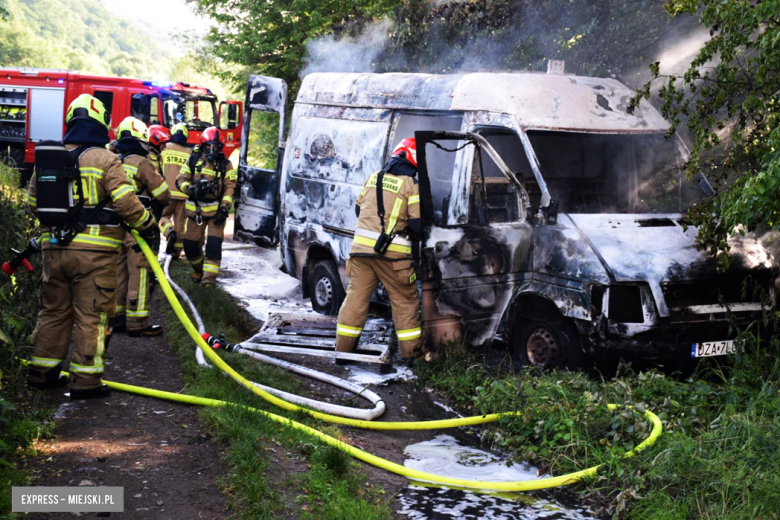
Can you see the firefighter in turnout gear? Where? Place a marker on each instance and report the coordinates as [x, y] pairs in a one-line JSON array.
[[175, 156], [81, 195], [134, 274], [158, 136], [209, 180], [388, 211]]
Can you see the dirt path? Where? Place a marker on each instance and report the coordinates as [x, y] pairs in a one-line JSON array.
[[155, 449]]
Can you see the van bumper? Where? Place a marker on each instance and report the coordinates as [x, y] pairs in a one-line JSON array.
[[665, 341]]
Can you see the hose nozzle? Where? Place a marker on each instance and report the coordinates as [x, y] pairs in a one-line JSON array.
[[21, 258]]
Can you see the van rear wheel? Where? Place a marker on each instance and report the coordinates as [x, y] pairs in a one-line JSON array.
[[325, 288], [548, 342]]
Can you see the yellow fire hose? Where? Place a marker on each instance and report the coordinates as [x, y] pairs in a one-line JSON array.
[[528, 485]]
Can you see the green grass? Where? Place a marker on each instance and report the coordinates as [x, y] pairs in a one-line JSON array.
[[717, 458], [273, 470]]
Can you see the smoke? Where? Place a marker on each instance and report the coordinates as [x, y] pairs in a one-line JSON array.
[[484, 35], [347, 54]]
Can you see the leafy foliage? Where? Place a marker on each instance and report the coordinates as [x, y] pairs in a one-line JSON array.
[[728, 99], [20, 423], [270, 37], [600, 38], [80, 35]]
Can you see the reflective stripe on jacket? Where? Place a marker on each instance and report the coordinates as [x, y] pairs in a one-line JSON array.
[[174, 157], [102, 176], [144, 177], [205, 170], [402, 203]]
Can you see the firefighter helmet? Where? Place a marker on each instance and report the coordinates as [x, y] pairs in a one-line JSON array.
[[158, 135], [90, 108], [132, 128], [180, 127], [212, 135], [409, 148]]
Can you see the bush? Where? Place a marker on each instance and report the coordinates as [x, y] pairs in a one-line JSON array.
[[20, 424]]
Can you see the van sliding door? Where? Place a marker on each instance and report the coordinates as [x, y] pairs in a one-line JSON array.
[[260, 165]]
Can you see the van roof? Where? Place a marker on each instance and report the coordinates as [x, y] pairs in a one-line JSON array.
[[536, 100]]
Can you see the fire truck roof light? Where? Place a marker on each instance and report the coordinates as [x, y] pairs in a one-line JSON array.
[[158, 83], [60, 80]]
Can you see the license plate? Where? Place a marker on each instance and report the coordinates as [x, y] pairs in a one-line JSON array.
[[713, 348]]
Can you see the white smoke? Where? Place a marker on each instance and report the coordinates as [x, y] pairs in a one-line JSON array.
[[347, 54]]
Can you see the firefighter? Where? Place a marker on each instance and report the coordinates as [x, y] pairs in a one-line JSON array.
[[158, 136], [175, 155], [81, 209], [134, 282], [382, 252], [208, 179]]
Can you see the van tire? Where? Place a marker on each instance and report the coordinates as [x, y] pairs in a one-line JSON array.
[[547, 342], [325, 289]]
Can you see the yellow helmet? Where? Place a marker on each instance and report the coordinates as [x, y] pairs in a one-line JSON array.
[[180, 127], [132, 127], [88, 107]]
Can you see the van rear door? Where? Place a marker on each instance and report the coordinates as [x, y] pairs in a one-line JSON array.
[[260, 163]]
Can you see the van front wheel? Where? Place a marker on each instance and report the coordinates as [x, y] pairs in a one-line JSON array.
[[548, 342], [325, 288]]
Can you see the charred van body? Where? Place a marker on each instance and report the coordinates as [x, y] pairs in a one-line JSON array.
[[553, 218]]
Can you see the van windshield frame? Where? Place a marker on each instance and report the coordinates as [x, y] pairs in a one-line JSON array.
[[611, 173]]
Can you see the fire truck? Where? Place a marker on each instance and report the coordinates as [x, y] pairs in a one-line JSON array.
[[33, 103]]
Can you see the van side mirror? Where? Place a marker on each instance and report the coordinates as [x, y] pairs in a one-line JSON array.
[[551, 212]]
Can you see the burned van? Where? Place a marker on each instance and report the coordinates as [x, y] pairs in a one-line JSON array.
[[553, 218]]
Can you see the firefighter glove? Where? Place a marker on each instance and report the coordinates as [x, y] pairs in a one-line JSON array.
[[150, 231], [222, 215]]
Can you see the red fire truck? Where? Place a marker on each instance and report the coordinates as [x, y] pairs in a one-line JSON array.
[[33, 103]]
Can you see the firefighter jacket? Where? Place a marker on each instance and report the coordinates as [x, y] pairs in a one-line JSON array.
[[221, 194], [402, 208], [147, 182], [102, 176], [156, 162], [174, 157]]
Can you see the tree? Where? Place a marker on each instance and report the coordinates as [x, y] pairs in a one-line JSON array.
[[270, 37], [729, 98]]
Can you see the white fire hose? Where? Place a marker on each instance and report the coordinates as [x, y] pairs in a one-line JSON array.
[[330, 408]]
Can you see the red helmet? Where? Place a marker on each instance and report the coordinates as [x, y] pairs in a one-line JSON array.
[[158, 135], [409, 146], [212, 135]]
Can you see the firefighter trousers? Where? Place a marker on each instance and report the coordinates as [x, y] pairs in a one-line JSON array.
[[398, 277], [209, 263], [77, 286], [174, 219], [133, 287]]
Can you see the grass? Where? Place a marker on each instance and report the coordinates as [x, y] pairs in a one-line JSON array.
[[273, 471], [717, 458]]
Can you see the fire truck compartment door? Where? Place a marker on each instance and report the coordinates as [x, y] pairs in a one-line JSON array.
[[47, 112], [259, 172]]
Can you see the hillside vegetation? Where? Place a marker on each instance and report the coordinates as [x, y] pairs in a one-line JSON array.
[[78, 34]]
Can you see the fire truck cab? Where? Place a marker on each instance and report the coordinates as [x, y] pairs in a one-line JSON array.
[[33, 103]]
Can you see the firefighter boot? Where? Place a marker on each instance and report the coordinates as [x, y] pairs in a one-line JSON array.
[[45, 380], [120, 323], [151, 330]]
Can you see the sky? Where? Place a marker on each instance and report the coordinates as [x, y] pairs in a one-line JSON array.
[[162, 17]]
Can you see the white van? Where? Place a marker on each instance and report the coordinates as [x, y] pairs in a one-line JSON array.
[[553, 217]]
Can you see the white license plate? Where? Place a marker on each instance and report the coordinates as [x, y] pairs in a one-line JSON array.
[[713, 348]]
